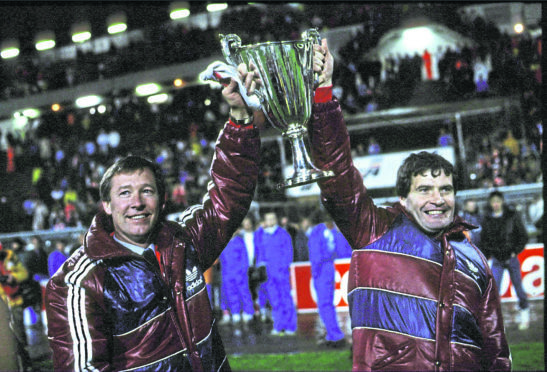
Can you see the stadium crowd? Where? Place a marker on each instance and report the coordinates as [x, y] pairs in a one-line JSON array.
[[52, 171]]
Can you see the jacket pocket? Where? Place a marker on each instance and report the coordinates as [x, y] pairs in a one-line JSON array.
[[401, 355]]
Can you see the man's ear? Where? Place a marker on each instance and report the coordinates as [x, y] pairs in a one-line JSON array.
[[106, 207]]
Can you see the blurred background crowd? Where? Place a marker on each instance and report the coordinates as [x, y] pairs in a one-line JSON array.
[[51, 172]]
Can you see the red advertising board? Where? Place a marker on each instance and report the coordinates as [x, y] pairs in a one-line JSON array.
[[531, 263], [532, 269]]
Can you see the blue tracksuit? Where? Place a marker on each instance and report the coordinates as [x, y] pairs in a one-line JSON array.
[[274, 249], [234, 265], [322, 246]]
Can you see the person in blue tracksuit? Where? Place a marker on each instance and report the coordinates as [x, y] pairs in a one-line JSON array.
[[322, 245], [274, 250], [234, 264]]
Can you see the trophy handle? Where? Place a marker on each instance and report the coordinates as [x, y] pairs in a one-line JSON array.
[[229, 43], [313, 35]]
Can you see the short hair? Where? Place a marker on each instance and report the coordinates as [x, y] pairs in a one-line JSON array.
[[495, 193], [418, 163], [130, 164]]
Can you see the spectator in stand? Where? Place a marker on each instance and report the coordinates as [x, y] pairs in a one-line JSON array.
[[373, 146], [322, 246], [40, 216], [13, 274], [56, 258], [445, 138], [511, 144], [37, 258], [502, 238], [275, 251]]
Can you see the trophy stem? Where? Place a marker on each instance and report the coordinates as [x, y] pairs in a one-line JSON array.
[[304, 170]]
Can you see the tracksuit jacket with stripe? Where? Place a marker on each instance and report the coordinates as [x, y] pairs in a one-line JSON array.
[[110, 309], [416, 302]]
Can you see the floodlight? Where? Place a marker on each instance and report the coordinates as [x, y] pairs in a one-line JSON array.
[[117, 23], [88, 101], [147, 89], [158, 98], [10, 49], [179, 9], [45, 40], [81, 32], [215, 7]]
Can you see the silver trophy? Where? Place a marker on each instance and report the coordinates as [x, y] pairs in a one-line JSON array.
[[286, 95]]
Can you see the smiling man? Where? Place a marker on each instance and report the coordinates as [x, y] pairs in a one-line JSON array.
[[421, 295], [133, 297]]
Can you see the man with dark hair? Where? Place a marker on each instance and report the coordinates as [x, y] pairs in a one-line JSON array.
[[503, 237], [134, 297], [421, 296]]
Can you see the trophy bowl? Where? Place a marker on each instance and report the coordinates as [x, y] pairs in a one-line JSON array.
[[286, 95]]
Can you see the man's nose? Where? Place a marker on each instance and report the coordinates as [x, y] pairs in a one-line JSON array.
[[437, 197], [137, 201]]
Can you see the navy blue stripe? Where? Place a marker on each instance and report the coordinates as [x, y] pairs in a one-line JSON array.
[[465, 328], [469, 261], [394, 312], [403, 237]]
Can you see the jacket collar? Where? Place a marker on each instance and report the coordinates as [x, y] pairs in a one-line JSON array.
[[100, 244]]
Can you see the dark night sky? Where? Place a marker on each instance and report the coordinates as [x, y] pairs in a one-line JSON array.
[[22, 20]]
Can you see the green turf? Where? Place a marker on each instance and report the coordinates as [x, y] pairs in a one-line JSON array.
[[526, 357]]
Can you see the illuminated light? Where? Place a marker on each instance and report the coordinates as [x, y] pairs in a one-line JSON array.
[[44, 40], [179, 13], [88, 101], [147, 89], [45, 45], [9, 53], [215, 7], [20, 122], [55, 107], [419, 37], [101, 109], [207, 102], [80, 37], [31, 113], [158, 98], [179, 9], [179, 83], [117, 28], [519, 28], [92, 111]]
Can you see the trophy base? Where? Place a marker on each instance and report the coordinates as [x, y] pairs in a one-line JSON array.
[[305, 178]]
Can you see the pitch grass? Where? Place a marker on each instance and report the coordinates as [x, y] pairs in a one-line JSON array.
[[526, 357]]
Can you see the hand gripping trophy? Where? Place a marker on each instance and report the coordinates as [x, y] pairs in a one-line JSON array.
[[286, 95]]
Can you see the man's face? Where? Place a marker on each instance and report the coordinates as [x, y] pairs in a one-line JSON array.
[[270, 220], [134, 206], [431, 201], [496, 203], [247, 224]]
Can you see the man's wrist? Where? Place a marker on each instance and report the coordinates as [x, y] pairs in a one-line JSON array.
[[323, 94], [241, 118], [240, 113]]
